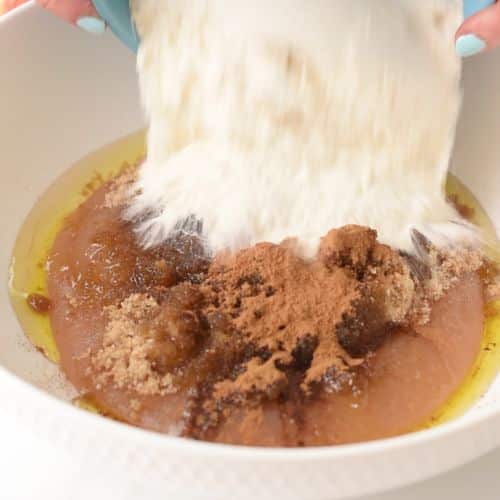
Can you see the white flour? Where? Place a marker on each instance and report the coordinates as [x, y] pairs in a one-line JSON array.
[[288, 118]]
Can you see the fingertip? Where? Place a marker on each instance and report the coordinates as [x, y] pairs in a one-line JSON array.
[[479, 32], [70, 10], [88, 9], [10, 4]]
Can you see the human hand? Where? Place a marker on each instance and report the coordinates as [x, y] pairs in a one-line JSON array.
[[480, 31], [79, 12]]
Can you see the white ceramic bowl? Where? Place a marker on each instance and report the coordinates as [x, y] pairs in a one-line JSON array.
[[64, 94]]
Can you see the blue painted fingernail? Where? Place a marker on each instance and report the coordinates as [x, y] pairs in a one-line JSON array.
[[93, 25], [469, 45]]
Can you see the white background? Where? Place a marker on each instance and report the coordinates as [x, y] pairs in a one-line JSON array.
[[30, 469]]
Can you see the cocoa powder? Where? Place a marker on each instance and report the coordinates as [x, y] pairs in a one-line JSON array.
[[296, 310]]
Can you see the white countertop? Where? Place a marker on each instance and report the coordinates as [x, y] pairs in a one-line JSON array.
[[28, 466]]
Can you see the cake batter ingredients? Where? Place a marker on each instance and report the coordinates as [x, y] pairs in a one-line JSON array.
[[260, 346]]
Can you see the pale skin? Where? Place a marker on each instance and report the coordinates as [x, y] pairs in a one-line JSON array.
[[69, 10], [485, 24]]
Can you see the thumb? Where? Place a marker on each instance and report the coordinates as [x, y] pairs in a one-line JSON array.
[[10, 4], [79, 12], [480, 32]]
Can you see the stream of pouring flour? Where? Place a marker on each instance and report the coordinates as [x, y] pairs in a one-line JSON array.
[[281, 119]]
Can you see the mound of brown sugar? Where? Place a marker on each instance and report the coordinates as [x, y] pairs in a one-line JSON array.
[[126, 350], [122, 187]]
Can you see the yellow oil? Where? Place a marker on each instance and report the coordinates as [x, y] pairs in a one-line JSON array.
[[28, 267], [487, 364], [85, 403]]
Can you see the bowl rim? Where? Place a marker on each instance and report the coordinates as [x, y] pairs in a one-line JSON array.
[[65, 410], [25, 391]]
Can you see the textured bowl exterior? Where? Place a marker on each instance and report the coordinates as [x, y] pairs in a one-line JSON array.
[[183, 469], [61, 100]]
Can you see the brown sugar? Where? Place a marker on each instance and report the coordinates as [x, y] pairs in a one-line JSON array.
[[437, 271], [124, 356], [122, 187]]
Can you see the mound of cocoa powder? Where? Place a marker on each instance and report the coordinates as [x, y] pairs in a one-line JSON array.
[[316, 317]]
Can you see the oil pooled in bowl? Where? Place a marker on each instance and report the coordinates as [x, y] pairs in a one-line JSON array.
[[36, 237], [28, 271]]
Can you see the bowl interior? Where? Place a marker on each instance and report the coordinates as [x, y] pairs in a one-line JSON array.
[[61, 101]]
